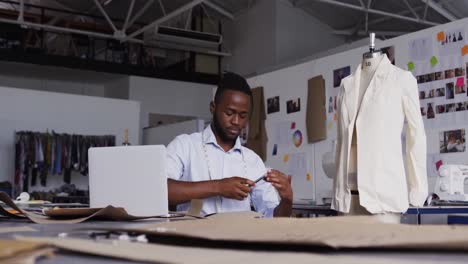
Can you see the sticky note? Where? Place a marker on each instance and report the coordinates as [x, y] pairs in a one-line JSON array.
[[308, 177], [434, 61], [440, 36], [464, 50], [330, 125], [286, 158], [334, 117], [460, 82], [293, 125], [410, 66]]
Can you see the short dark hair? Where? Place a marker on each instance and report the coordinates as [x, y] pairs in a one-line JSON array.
[[232, 81]]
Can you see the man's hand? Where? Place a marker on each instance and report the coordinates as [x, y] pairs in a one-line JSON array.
[[235, 187], [282, 183]]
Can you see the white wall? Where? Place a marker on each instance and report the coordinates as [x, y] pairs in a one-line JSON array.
[[298, 34], [170, 97], [64, 113], [291, 83], [250, 37], [271, 33], [117, 88]]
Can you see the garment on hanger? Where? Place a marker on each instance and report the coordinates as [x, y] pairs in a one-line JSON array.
[[40, 155], [390, 98]]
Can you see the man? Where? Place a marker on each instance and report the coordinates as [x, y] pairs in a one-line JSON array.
[[214, 166]]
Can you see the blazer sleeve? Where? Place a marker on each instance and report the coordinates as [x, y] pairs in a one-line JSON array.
[[415, 143], [339, 126]]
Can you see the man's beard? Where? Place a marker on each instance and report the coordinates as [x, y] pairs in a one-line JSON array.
[[220, 132]]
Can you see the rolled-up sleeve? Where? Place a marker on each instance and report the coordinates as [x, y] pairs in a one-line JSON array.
[[264, 196], [177, 156]]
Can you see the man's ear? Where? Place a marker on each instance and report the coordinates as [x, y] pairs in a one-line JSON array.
[[212, 107]]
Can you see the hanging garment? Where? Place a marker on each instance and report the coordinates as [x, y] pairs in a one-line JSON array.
[[383, 184]]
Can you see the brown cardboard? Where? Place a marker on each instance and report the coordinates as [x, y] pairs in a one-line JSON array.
[[13, 248], [76, 215], [15, 229], [155, 253], [257, 136], [330, 232], [316, 116]]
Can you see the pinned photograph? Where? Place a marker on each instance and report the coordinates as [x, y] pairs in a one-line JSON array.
[[440, 92], [330, 105], [293, 106], [449, 108], [431, 93], [466, 70], [430, 111], [275, 150], [452, 141], [459, 72], [390, 51], [430, 77], [419, 79], [449, 93], [449, 74], [339, 74], [460, 89], [460, 107], [422, 95], [439, 75], [423, 111], [440, 109], [273, 105]]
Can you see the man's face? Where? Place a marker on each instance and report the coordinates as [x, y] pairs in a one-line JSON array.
[[230, 114]]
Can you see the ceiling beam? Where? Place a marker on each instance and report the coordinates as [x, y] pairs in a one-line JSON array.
[[162, 7], [439, 9], [104, 13], [129, 12], [378, 12], [109, 36], [219, 9], [383, 19], [140, 12], [411, 9], [350, 32], [165, 18], [21, 12]]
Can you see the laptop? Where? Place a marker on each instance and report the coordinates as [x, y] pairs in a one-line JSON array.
[[132, 177]]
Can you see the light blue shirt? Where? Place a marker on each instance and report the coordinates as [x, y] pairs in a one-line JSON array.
[[187, 161]]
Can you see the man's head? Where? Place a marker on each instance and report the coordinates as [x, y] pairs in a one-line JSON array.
[[231, 106]]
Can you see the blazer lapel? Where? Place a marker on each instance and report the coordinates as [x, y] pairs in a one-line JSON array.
[[376, 82], [351, 86]]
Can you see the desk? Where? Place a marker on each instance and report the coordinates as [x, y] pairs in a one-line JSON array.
[[364, 257], [440, 211], [314, 210]]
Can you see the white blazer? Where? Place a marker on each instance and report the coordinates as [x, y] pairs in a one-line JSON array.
[[383, 185]]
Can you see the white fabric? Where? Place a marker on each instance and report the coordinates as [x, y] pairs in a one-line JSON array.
[[392, 97], [187, 162], [369, 66], [357, 209]]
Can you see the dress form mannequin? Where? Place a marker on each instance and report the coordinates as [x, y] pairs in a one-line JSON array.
[[369, 66]]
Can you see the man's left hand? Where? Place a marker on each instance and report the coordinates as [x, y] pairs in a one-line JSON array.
[[282, 183]]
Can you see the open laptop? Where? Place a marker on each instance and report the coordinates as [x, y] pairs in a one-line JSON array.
[[132, 177]]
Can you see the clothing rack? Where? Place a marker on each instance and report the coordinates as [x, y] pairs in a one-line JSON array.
[[39, 155]]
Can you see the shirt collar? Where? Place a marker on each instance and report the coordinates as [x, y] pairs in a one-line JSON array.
[[210, 138]]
